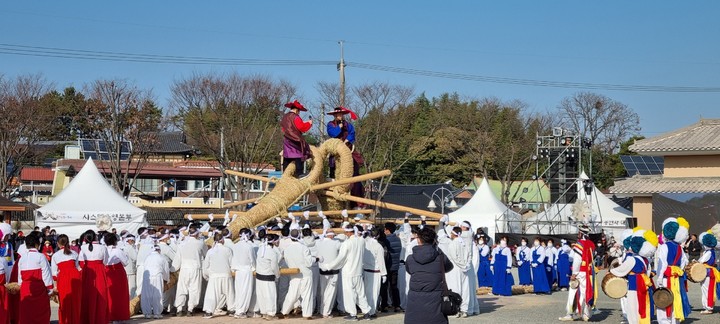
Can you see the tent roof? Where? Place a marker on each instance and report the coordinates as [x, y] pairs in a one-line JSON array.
[[483, 209], [89, 192], [533, 191]]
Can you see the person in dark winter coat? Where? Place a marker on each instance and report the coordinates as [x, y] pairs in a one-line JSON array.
[[427, 267]]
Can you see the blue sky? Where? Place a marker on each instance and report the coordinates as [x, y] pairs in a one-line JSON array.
[[609, 42]]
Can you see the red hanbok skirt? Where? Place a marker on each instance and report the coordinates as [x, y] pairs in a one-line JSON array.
[[4, 316], [69, 287], [34, 299], [13, 301], [118, 293], [94, 293]]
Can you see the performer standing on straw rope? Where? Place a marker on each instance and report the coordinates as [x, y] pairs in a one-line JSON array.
[[243, 264], [345, 131], [189, 262], [349, 261], [583, 270], [154, 276], [670, 262], [217, 271], [93, 257], [7, 258], [118, 291], [36, 284], [66, 271], [295, 149], [710, 287], [327, 248], [522, 256], [267, 273]]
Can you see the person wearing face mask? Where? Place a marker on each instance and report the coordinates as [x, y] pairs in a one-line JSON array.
[[550, 262], [457, 279], [502, 264], [522, 256], [564, 260], [537, 259], [484, 273]]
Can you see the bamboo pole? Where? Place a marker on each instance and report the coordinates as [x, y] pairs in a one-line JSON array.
[[383, 204], [312, 213], [250, 176], [362, 177], [241, 202], [315, 230]]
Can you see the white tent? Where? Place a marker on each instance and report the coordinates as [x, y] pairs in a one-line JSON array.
[[485, 210], [88, 196], [602, 213]]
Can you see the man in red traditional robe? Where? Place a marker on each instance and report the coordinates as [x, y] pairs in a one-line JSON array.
[[584, 272], [295, 148]]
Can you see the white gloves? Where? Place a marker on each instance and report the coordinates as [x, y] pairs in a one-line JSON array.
[[321, 214], [344, 213], [278, 220], [407, 215], [508, 271], [306, 214], [520, 263], [548, 268], [383, 279], [423, 217], [534, 265], [211, 217], [492, 268]]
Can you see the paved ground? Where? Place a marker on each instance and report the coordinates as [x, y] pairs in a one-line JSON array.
[[515, 309]]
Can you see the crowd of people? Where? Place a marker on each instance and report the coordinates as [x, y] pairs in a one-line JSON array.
[[288, 269]]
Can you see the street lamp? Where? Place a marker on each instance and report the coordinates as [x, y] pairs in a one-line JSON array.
[[444, 198]]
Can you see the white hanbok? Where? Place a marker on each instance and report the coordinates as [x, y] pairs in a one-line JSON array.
[[243, 263], [130, 267], [156, 271], [349, 261], [327, 250], [373, 271], [267, 265], [457, 278], [218, 273], [188, 261], [300, 287]]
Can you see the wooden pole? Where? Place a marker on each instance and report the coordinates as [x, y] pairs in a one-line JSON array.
[[362, 177], [383, 204], [250, 176], [312, 213], [241, 202]]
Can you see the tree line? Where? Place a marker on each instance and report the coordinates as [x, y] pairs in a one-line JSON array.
[[421, 139]]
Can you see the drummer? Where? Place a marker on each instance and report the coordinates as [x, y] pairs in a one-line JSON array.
[[583, 271], [635, 267], [708, 290], [669, 267]]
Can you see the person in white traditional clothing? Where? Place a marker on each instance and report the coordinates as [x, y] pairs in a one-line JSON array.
[[327, 250], [36, 283], [217, 271], [169, 252], [189, 262], [128, 247], [551, 253], [408, 237], [349, 261], [267, 272], [300, 287], [456, 278], [156, 272], [670, 262], [710, 284], [283, 281], [583, 297], [636, 269], [374, 269], [310, 240], [243, 264], [145, 245], [467, 236]]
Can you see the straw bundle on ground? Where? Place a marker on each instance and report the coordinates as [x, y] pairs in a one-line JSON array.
[[516, 290], [12, 288]]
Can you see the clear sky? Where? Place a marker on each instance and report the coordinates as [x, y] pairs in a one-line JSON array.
[[639, 43]]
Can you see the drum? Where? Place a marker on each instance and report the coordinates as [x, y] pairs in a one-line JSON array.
[[574, 283], [663, 298], [696, 272], [614, 264], [613, 286]]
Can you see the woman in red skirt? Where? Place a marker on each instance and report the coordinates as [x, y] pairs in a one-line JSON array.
[[93, 257], [36, 284], [66, 271], [118, 291]]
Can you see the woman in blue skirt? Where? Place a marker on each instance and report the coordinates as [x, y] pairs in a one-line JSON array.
[[522, 255], [564, 265], [484, 274], [501, 265], [537, 265]]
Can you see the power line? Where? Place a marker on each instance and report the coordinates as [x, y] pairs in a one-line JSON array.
[[535, 83], [22, 50]]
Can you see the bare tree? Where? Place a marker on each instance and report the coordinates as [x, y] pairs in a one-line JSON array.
[[245, 110], [21, 124], [602, 120], [118, 113]]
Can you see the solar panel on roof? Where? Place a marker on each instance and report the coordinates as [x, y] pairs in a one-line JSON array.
[[642, 165], [98, 149]]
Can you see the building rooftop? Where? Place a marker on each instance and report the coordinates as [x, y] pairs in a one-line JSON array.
[[646, 185], [170, 143], [701, 138], [37, 174]]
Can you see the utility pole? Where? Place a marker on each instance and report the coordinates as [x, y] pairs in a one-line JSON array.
[[222, 160], [341, 68]]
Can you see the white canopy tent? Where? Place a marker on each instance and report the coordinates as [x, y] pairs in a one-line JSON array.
[[599, 211], [485, 210], [87, 197]]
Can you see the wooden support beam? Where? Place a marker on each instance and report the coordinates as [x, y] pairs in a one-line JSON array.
[[241, 202], [362, 177], [250, 176], [382, 204], [312, 214]]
